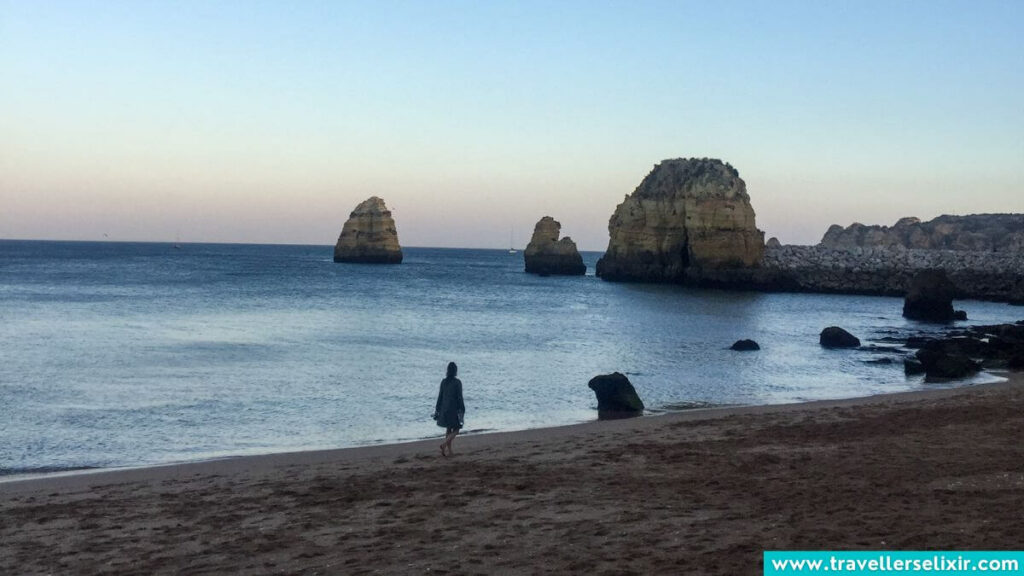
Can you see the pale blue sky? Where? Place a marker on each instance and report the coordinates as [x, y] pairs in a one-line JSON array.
[[269, 121]]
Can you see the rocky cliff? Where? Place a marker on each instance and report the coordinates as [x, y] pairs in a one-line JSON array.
[[688, 219], [976, 232], [546, 254], [369, 235]]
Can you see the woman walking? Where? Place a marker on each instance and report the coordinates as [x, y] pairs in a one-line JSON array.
[[449, 410]]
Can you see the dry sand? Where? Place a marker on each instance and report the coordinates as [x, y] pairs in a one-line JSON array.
[[701, 492]]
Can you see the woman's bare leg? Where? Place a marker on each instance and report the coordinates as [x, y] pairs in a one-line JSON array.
[[448, 439]]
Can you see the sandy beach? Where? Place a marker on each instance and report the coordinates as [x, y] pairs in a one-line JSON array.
[[701, 492]]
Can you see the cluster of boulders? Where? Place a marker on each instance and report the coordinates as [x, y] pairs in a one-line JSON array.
[[962, 353], [956, 355]]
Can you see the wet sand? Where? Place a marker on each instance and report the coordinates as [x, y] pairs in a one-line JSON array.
[[699, 492]]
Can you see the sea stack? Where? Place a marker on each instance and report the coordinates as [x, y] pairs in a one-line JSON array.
[[930, 297], [369, 236], [546, 254], [688, 217]]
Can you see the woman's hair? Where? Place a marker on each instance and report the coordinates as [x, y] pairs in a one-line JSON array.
[[452, 370]]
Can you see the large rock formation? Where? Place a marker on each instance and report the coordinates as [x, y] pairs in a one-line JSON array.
[[369, 235], [686, 218], [976, 232], [546, 254], [930, 297]]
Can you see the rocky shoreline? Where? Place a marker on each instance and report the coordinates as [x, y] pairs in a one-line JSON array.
[[963, 352], [692, 222], [888, 271]]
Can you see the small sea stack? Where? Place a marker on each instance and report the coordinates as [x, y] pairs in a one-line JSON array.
[[369, 236], [930, 297], [547, 255]]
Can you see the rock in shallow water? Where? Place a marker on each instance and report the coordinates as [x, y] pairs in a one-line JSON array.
[[616, 397], [836, 337], [939, 366], [745, 346]]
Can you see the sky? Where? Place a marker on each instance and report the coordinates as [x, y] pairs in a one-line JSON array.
[[267, 122]]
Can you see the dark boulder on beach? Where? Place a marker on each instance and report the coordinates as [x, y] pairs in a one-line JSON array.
[[745, 346], [941, 366], [960, 315], [930, 297], [616, 397], [836, 337]]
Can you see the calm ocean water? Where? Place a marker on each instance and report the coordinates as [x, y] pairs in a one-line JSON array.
[[120, 354]]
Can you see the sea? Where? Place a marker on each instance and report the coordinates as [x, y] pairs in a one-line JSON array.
[[133, 354]]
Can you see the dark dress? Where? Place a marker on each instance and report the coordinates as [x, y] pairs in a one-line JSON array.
[[449, 408]]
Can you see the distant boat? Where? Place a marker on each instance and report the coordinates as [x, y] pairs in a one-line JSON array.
[[511, 241], [177, 241]]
